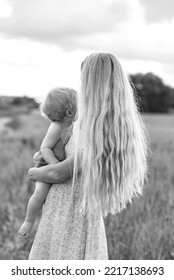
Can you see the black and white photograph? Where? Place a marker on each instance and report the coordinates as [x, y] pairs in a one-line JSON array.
[[87, 130]]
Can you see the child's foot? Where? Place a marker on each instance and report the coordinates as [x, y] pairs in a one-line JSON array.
[[25, 229]]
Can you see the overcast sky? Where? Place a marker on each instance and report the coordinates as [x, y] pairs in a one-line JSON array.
[[43, 42]]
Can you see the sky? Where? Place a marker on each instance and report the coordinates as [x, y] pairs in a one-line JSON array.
[[43, 42]]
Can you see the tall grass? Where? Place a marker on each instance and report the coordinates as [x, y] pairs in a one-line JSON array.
[[18, 142], [145, 230]]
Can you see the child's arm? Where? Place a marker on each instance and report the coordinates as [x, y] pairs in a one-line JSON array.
[[48, 143]]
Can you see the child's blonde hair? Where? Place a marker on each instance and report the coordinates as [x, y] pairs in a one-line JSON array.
[[110, 137], [57, 102]]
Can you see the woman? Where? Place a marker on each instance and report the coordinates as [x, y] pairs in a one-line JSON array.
[[108, 151]]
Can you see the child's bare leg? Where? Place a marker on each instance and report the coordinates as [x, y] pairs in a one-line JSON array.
[[34, 205]]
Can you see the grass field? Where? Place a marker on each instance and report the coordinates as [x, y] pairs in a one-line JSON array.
[[145, 230]]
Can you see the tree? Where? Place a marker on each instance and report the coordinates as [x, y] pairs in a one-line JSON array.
[[153, 94]]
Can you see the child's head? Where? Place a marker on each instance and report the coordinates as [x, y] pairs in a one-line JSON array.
[[60, 105]]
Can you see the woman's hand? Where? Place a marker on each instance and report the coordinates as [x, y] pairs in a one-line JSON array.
[[53, 173], [33, 174]]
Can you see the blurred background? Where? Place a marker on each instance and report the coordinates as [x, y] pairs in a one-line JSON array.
[[42, 45]]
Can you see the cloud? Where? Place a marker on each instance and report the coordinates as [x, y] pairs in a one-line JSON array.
[[118, 26], [152, 42], [5, 9], [52, 20], [158, 10]]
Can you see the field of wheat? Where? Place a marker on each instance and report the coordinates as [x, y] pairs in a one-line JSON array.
[[145, 230]]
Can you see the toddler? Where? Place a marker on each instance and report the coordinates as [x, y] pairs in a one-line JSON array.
[[60, 108]]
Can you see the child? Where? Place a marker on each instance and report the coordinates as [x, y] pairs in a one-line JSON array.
[[60, 108]]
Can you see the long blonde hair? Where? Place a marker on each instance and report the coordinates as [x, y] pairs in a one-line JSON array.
[[110, 154]]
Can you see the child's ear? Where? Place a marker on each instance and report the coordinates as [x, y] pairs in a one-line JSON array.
[[68, 113]]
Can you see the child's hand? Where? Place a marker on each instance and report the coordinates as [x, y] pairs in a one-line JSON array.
[[39, 160]]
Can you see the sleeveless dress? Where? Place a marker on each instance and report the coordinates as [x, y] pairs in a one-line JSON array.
[[65, 234]]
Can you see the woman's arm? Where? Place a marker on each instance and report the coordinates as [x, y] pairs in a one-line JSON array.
[[53, 173]]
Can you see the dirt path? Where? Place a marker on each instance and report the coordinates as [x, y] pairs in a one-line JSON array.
[[3, 122]]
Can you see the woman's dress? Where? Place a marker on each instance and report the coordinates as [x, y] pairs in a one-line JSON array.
[[63, 233]]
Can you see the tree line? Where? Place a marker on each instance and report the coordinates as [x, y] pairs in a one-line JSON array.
[[152, 94]]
